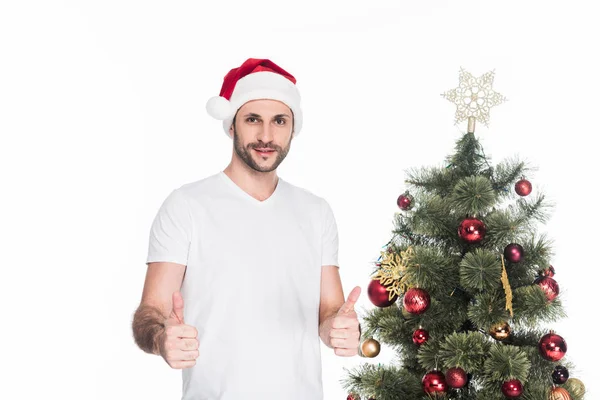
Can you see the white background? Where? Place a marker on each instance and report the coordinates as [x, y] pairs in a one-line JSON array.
[[102, 115]]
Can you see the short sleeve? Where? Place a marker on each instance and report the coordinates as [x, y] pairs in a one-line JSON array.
[[330, 236], [170, 233]]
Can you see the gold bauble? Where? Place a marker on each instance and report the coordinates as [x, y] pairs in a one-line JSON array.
[[558, 393], [370, 348], [575, 386], [500, 331]]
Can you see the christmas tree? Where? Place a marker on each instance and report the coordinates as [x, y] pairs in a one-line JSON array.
[[466, 283]]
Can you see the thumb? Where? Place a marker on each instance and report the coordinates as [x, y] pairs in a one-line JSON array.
[[177, 306], [349, 304]]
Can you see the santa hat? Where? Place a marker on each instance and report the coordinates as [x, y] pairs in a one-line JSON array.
[[255, 79]]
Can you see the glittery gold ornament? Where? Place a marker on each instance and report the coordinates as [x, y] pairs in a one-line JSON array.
[[558, 393], [575, 386], [500, 330], [392, 271], [370, 348]]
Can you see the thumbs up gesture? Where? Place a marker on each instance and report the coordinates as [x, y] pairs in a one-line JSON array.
[[345, 332], [178, 342]]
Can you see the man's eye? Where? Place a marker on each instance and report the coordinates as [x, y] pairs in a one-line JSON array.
[[251, 119], [280, 121]]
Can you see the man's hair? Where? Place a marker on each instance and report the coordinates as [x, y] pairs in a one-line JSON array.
[[236, 113]]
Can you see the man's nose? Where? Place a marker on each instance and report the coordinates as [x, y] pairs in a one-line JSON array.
[[266, 133]]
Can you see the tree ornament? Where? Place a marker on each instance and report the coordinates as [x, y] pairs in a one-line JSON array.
[[514, 252], [500, 330], [434, 382], [548, 272], [456, 377], [549, 286], [523, 187], [420, 336], [416, 301], [392, 271], [560, 375], [379, 294], [552, 347], [353, 396], [558, 393], [507, 288], [575, 386], [405, 201], [512, 388], [472, 230], [370, 348]]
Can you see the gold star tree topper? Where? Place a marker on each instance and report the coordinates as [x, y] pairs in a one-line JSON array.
[[474, 97]]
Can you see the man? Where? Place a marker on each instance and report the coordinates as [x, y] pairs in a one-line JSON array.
[[255, 258]]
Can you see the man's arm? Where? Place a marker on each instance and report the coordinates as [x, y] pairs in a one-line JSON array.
[[162, 279], [332, 298]]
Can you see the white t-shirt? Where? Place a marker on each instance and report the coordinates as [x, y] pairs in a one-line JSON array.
[[251, 286]]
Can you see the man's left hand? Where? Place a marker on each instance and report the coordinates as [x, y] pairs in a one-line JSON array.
[[345, 332]]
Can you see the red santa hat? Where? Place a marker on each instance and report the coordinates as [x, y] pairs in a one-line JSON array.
[[255, 79]]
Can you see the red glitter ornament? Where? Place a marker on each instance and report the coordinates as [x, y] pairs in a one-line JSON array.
[[514, 252], [434, 382], [379, 295], [523, 187], [456, 377], [420, 336], [549, 286], [405, 201], [416, 301], [552, 347], [472, 230], [512, 388]]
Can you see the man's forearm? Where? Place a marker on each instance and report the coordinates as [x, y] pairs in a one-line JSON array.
[[147, 326]]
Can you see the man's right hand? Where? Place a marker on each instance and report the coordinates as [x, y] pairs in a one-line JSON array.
[[178, 342]]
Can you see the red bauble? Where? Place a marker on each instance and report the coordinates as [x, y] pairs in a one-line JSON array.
[[420, 336], [514, 252], [472, 230], [548, 272], [434, 382], [512, 388], [351, 397], [405, 201], [379, 295], [523, 187], [549, 286], [416, 301], [552, 347], [456, 377]]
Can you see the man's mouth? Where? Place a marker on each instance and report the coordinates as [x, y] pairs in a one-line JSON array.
[[264, 151]]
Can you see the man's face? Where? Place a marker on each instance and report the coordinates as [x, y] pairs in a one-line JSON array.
[[262, 134]]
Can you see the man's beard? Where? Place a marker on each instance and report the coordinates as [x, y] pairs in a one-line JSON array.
[[244, 153]]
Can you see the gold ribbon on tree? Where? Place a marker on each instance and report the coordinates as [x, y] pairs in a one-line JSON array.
[[506, 286]]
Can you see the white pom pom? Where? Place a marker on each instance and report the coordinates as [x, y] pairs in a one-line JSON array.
[[218, 107]]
